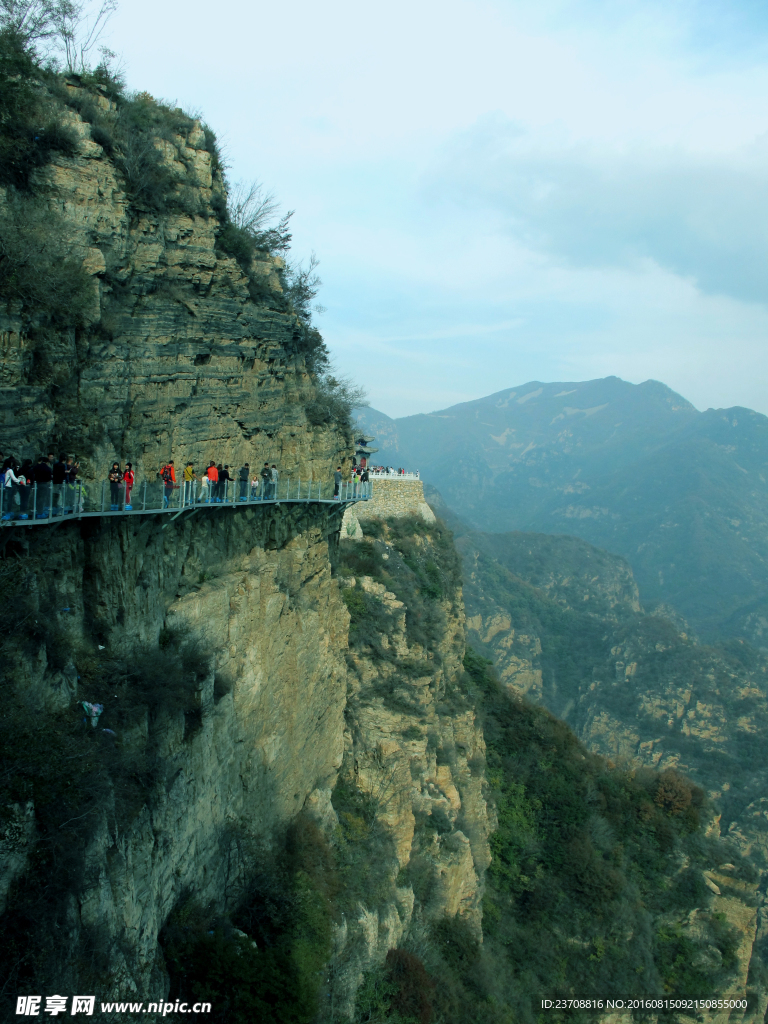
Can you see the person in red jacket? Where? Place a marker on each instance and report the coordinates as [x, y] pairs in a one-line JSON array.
[[213, 482], [128, 480], [168, 474]]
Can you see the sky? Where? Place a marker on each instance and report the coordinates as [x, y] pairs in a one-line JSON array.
[[499, 191]]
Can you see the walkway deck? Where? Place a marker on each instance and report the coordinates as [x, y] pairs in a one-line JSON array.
[[45, 507]]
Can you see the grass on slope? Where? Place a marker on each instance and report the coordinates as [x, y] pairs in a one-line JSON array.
[[594, 869]]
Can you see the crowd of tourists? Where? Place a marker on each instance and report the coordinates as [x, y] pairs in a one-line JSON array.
[[54, 478], [55, 485], [211, 486], [390, 471]]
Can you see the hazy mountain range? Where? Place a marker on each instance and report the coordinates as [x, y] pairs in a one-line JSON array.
[[633, 469]]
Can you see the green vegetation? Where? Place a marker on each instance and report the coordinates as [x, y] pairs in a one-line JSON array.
[[585, 862], [414, 560], [265, 961], [30, 125], [559, 592], [400, 992], [39, 271], [73, 773], [363, 846]]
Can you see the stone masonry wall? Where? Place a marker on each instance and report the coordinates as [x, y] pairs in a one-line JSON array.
[[390, 498]]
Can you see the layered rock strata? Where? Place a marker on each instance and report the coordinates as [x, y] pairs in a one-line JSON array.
[[177, 360], [256, 588], [415, 751]]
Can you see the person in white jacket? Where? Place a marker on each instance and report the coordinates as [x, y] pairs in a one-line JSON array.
[[11, 485]]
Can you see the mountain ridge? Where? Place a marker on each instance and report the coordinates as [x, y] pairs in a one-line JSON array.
[[634, 469]]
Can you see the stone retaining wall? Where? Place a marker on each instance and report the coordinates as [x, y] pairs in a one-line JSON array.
[[391, 497]]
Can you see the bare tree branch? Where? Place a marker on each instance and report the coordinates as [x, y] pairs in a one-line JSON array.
[[74, 26], [250, 207]]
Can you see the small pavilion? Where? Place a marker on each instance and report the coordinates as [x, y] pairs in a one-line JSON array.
[[363, 450]]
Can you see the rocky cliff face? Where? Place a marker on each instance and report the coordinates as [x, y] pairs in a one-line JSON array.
[[183, 352], [217, 642], [256, 589], [413, 768], [175, 358], [277, 718]]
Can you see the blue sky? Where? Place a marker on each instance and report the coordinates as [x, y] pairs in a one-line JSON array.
[[500, 191]]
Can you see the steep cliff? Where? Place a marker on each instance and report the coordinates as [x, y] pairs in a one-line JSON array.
[[215, 643], [177, 349], [304, 800], [412, 796], [563, 625]]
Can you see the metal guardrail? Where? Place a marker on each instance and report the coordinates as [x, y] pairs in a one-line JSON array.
[[385, 474], [41, 505]]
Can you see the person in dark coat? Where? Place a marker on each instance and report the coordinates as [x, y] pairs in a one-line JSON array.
[[115, 479], [59, 474], [224, 479], [266, 482], [43, 478], [43, 474], [243, 477]]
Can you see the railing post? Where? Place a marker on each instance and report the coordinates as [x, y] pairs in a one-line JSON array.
[[50, 502], [288, 489], [144, 498], [2, 493], [102, 495], [34, 500]]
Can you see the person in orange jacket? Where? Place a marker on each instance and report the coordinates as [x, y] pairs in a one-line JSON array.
[[213, 481]]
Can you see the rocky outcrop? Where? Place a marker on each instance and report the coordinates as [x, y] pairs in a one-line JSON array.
[[177, 360], [182, 353], [415, 751], [256, 589]]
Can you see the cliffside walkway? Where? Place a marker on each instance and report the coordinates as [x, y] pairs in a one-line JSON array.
[[47, 505]]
